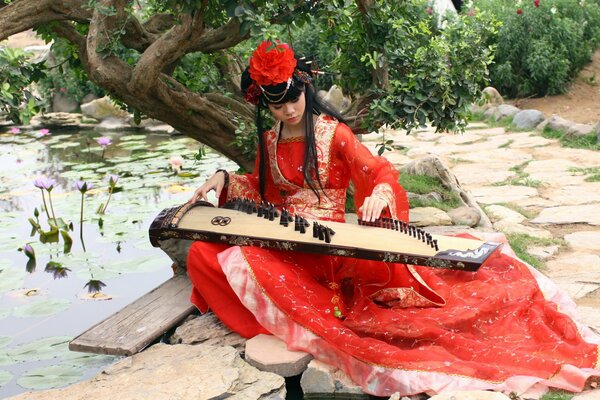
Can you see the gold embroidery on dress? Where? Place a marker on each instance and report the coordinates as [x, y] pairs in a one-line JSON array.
[[293, 139]]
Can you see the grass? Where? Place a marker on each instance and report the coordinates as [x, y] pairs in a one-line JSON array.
[[558, 395], [522, 178], [423, 184], [527, 213], [519, 242], [588, 142], [594, 173]]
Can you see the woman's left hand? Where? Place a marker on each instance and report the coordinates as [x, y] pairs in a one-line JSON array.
[[372, 208]]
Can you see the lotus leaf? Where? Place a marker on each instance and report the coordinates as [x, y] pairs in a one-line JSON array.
[[5, 377], [50, 377], [42, 349], [42, 308]]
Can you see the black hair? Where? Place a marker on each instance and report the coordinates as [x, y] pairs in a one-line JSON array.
[[277, 94]]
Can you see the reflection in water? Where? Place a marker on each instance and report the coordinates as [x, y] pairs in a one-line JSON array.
[[46, 296]]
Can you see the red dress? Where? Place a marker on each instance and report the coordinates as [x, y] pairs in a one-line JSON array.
[[404, 328]]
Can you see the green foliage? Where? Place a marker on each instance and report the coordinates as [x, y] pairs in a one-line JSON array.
[[16, 73], [541, 49], [557, 395], [425, 73]]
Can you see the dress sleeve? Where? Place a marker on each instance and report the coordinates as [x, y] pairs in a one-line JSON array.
[[242, 186], [371, 175]]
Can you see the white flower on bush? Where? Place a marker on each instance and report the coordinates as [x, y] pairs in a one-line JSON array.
[[519, 3], [553, 10]]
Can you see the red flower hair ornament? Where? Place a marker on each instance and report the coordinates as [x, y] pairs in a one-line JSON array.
[[272, 64]]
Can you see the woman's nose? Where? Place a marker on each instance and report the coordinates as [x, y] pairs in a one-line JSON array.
[[288, 109]]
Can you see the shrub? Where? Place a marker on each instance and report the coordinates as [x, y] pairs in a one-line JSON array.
[[542, 44]]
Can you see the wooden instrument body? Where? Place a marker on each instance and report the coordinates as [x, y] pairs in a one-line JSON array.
[[203, 222]]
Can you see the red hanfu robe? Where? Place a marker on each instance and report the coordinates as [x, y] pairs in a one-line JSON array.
[[403, 328]]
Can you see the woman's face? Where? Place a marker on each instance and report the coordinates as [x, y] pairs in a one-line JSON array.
[[290, 113]]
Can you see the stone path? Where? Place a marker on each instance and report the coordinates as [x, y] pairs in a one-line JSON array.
[[528, 184]]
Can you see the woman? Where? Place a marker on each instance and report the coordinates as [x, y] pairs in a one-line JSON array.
[[390, 327]]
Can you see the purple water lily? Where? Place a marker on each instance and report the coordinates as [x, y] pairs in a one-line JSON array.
[[112, 180], [44, 183], [29, 252], [83, 186]]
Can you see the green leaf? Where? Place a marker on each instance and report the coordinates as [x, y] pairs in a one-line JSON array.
[[50, 236], [4, 340], [42, 308], [50, 377], [6, 360], [68, 241], [42, 349], [10, 279], [5, 377]]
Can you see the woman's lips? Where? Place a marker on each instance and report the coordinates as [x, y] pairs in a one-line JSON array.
[[294, 119]]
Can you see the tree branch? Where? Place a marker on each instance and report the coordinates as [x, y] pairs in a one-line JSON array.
[[220, 38], [171, 46], [21, 15]]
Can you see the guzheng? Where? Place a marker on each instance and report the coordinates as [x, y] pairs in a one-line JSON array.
[[245, 223]]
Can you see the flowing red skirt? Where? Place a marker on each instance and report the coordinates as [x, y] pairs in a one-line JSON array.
[[402, 329]]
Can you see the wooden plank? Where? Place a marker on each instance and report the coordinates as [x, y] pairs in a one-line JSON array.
[[140, 323]]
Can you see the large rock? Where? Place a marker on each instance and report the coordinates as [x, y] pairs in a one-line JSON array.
[[528, 119], [578, 130], [426, 216], [166, 372], [64, 103], [597, 130], [492, 96], [206, 329], [336, 98], [559, 124], [320, 378], [177, 250], [505, 111], [465, 215], [269, 353], [103, 108]]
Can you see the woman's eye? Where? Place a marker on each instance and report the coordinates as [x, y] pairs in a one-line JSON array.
[[295, 100]]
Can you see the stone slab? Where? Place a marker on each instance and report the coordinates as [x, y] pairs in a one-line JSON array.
[[509, 227], [470, 174], [576, 266], [206, 329], [584, 241], [501, 213], [321, 378], [268, 353], [584, 193], [167, 372], [585, 214], [502, 194]]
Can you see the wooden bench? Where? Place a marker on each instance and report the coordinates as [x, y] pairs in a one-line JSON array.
[[140, 323]]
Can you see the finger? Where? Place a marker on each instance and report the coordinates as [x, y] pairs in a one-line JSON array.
[[218, 190]]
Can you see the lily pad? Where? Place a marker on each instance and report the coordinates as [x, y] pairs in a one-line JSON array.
[[11, 278], [6, 360], [4, 340], [87, 360], [42, 349], [42, 308], [4, 312], [50, 377], [5, 377]]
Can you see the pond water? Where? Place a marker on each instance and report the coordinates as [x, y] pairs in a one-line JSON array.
[[44, 304]]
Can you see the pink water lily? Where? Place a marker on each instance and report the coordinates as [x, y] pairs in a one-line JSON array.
[[44, 132], [14, 130], [104, 141], [176, 163]]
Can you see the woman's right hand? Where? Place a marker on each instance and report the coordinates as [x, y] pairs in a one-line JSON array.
[[216, 183]]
